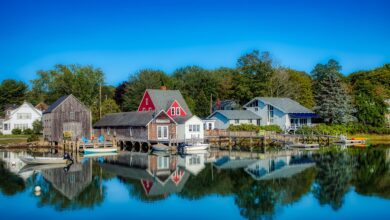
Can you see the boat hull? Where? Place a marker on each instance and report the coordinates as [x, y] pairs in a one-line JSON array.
[[43, 160], [100, 150], [196, 147]]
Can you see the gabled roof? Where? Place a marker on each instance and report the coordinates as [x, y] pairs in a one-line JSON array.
[[59, 101], [163, 99], [182, 120], [29, 105], [286, 105], [125, 119], [236, 114]]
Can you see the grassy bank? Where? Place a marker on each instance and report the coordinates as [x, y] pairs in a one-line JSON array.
[[375, 138], [13, 139]]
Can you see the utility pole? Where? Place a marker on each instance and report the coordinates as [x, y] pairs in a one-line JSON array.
[[100, 101]]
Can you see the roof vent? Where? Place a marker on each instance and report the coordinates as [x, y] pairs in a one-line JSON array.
[[163, 88]]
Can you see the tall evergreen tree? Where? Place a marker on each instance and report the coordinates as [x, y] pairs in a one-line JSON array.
[[333, 103]]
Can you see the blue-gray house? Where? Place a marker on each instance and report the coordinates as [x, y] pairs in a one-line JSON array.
[[285, 112]]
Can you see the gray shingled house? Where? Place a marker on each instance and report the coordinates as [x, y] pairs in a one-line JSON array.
[[66, 114]]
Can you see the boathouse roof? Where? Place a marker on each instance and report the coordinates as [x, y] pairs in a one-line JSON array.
[[126, 119]]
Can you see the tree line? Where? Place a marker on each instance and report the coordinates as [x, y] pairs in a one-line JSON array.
[[338, 99]]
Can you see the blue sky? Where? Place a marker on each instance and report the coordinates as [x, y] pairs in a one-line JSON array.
[[122, 37]]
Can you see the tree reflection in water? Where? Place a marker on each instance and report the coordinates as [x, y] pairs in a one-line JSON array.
[[334, 172]]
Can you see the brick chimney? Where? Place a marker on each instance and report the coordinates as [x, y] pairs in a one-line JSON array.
[[163, 88]]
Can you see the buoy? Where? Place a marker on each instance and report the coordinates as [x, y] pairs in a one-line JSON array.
[[37, 189]]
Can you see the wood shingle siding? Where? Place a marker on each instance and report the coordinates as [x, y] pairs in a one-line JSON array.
[[67, 113]]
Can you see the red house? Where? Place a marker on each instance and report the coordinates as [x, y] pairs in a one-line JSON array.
[[171, 101]]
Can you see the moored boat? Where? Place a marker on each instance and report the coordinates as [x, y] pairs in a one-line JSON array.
[[160, 147], [43, 160], [196, 147], [100, 150]]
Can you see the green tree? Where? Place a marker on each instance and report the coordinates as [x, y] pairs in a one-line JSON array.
[[333, 103], [37, 127], [108, 106], [303, 91], [82, 81], [119, 94], [370, 107], [12, 92]]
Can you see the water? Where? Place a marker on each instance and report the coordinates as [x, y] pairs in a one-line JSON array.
[[336, 184]]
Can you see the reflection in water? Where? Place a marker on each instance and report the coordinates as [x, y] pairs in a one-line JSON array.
[[260, 188]]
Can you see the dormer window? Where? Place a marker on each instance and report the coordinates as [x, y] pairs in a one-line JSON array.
[[177, 110], [172, 111]]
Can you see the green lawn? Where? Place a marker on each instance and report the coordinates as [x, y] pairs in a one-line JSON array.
[[13, 136], [13, 139]]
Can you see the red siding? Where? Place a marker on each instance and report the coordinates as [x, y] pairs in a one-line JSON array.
[[146, 103], [175, 104]]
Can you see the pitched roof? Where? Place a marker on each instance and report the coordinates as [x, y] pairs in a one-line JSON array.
[[236, 114], [56, 104], [163, 99], [125, 119], [286, 105]]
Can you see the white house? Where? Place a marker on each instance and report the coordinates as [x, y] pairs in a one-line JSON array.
[[285, 112], [225, 118], [189, 128], [22, 117], [193, 163]]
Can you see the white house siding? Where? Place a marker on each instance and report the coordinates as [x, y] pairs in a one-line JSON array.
[[221, 122], [29, 114], [186, 134]]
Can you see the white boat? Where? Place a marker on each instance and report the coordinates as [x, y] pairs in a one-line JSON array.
[[40, 167], [99, 150], [43, 160], [94, 155], [196, 147]]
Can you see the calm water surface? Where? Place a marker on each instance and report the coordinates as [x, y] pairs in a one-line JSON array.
[[336, 184]]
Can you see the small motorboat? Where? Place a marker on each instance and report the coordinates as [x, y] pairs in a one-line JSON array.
[[94, 155], [44, 160], [161, 147], [194, 147], [100, 150], [344, 140]]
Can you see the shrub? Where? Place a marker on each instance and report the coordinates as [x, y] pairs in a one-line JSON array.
[[350, 128], [37, 127], [16, 131], [256, 128], [32, 138], [28, 131]]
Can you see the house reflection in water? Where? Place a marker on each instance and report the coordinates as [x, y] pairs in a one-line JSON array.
[[158, 174], [279, 167], [70, 183], [193, 163]]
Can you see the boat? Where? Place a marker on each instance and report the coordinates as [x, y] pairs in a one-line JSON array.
[[160, 147], [104, 154], [99, 150], [196, 147], [344, 140], [304, 146], [40, 167], [43, 160]]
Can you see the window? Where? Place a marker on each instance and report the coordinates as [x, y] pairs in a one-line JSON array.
[[303, 121], [256, 109], [162, 162], [270, 114], [23, 116], [147, 101], [108, 131], [172, 111], [143, 109], [150, 108], [177, 111], [194, 128], [258, 121], [162, 132], [237, 121], [190, 128], [250, 121], [6, 127], [71, 116]]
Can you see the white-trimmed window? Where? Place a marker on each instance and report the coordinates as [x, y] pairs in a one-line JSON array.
[[236, 121], [21, 126], [172, 111], [194, 128], [108, 131], [72, 116], [162, 132], [270, 114], [23, 116], [177, 110], [162, 162], [250, 121], [147, 101]]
